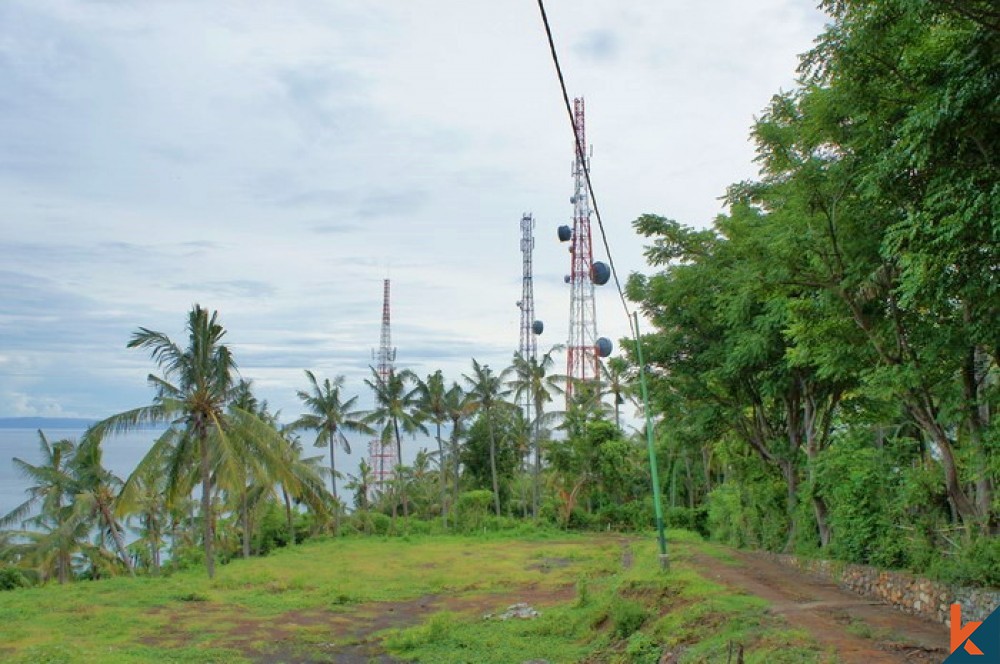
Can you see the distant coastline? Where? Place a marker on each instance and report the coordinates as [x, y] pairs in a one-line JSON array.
[[44, 423]]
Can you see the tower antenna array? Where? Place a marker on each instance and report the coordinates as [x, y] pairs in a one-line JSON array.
[[382, 456], [530, 327], [583, 348]]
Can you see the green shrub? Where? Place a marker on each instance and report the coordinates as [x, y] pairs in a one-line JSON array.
[[627, 616], [12, 578], [641, 649], [976, 563], [473, 508]]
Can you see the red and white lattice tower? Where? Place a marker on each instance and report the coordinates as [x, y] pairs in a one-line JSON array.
[[382, 457], [530, 327], [581, 352]]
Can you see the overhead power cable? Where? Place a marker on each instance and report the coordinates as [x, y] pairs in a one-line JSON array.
[[581, 156]]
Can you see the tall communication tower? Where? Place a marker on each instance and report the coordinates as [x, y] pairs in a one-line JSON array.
[[584, 347], [530, 327], [382, 457]]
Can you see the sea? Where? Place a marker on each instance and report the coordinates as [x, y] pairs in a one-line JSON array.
[[121, 455]]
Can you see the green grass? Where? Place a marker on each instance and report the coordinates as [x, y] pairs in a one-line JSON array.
[[297, 602]]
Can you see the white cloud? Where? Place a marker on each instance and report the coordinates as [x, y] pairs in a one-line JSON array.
[[276, 160]]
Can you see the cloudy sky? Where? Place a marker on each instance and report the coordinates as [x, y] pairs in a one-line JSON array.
[[275, 160]]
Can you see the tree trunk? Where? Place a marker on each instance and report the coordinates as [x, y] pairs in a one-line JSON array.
[[792, 480], [536, 485], [208, 527], [493, 464], [117, 537], [457, 467], [333, 485], [288, 517], [245, 520], [444, 479], [966, 509], [978, 418], [399, 475]]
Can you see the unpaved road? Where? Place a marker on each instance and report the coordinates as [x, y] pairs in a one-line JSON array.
[[857, 630]]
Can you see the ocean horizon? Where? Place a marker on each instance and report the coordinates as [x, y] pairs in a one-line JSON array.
[[122, 454]]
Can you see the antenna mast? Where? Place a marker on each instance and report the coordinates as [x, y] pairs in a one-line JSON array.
[[584, 348], [382, 456], [530, 327]]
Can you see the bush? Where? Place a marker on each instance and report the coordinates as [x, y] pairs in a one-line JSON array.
[[976, 564], [687, 518], [627, 616], [631, 515], [472, 509], [12, 579]]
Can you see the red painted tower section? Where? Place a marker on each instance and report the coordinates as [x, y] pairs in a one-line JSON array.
[[581, 354], [382, 457]]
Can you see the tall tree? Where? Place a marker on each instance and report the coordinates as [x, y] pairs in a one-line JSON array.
[[485, 394], [396, 411], [433, 402], [330, 415], [532, 378], [192, 398]]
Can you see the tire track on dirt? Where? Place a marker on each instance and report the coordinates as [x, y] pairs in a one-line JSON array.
[[858, 630]]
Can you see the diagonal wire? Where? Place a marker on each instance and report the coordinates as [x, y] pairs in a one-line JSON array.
[[580, 153]]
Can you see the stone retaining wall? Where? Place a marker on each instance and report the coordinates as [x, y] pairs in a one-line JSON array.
[[906, 592]]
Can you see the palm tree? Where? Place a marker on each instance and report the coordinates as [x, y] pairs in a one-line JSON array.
[[532, 380], [51, 480], [308, 485], [330, 416], [56, 531], [96, 491], [205, 433], [395, 410], [457, 406], [616, 385], [361, 484], [433, 403], [485, 395]]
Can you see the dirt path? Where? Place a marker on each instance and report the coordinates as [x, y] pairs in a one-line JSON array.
[[858, 630]]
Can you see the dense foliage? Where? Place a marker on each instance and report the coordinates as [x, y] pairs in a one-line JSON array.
[[826, 354]]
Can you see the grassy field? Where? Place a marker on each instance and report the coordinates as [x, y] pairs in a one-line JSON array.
[[601, 598]]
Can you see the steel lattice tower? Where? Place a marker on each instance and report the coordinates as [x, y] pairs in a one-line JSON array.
[[382, 457], [529, 326], [581, 354]]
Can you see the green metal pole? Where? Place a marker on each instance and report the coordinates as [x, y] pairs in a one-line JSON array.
[[657, 502]]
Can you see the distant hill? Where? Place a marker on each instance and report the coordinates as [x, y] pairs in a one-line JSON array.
[[44, 423]]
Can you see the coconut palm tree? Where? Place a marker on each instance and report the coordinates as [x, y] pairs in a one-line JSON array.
[[616, 384], [330, 415], [96, 490], [51, 480], [457, 406], [193, 397], [531, 378], [395, 410], [433, 403], [485, 395]]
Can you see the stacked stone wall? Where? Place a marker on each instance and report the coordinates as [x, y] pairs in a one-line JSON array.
[[907, 592]]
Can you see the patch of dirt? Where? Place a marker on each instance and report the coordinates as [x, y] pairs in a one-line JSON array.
[[347, 635], [546, 565], [826, 611]]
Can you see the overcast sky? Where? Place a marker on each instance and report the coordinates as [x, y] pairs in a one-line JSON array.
[[276, 160]]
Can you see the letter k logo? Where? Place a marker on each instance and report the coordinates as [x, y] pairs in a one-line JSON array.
[[960, 634]]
